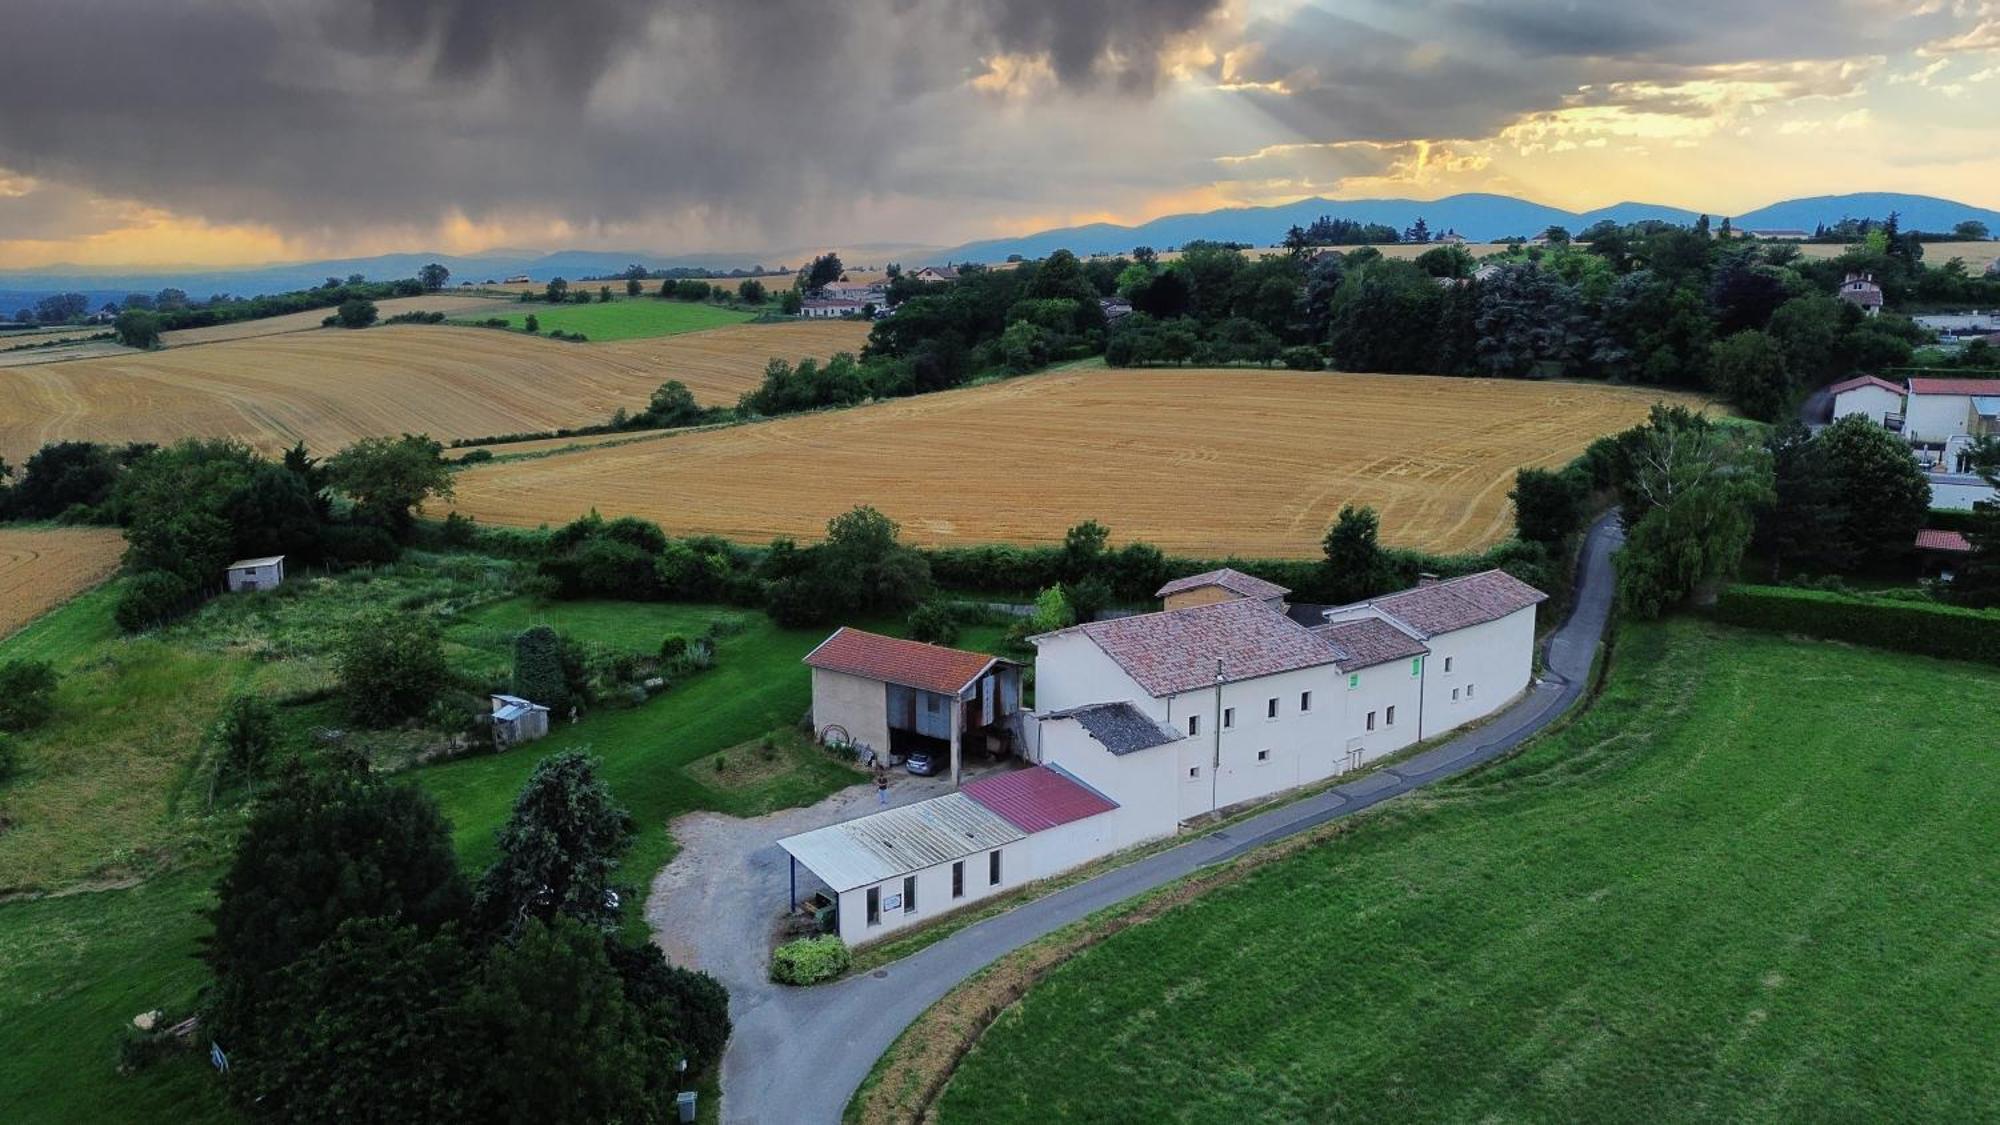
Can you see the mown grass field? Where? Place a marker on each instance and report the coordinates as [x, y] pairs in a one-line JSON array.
[[328, 388], [1203, 462], [1757, 882], [624, 319]]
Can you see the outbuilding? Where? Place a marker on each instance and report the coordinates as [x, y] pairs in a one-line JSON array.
[[893, 696], [1876, 399], [251, 575], [517, 720]]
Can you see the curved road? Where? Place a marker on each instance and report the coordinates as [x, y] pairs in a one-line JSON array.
[[799, 1054]]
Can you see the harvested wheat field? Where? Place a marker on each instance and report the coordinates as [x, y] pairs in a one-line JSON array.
[[329, 387], [1205, 462], [42, 568], [451, 304]]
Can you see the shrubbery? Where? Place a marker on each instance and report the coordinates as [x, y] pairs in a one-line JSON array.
[[1931, 630], [935, 622], [810, 960], [27, 694], [152, 598]]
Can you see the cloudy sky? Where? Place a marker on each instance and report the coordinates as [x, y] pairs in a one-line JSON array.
[[223, 131]]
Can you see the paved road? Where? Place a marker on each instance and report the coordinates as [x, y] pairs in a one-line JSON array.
[[799, 1054]]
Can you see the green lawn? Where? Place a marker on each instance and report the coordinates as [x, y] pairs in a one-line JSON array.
[[624, 319], [1758, 882]]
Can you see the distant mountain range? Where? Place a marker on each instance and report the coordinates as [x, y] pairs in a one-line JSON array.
[[1479, 217]]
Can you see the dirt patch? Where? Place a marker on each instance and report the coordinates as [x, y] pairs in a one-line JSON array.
[[747, 765]]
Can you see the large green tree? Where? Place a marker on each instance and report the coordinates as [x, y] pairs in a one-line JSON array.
[[391, 666], [390, 478], [1883, 493], [1687, 496], [1355, 566], [558, 849]]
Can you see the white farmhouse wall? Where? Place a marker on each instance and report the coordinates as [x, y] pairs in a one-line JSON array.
[[1071, 671], [1869, 400], [1488, 665], [933, 893], [1296, 746], [859, 704], [1392, 693], [1056, 850], [265, 577], [1937, 417], [1142, 782]]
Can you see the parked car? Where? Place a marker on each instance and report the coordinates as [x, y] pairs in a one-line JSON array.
[[923, 763]]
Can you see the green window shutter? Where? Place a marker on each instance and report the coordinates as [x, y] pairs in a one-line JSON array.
[[1417, 666]]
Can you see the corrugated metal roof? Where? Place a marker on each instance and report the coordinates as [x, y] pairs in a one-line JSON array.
[[242, 564], [1038, 798], [896, 842], [1986, 406]]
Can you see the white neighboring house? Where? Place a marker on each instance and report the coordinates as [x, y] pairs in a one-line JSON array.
[[256, 574], [1942, 409], [1861, 289], [821, 308], [1877, 399], [936, 273]]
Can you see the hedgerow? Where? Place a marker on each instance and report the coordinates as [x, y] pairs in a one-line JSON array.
[[1946, 631]]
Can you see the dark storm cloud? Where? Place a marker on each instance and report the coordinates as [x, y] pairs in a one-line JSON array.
[[326, 115]]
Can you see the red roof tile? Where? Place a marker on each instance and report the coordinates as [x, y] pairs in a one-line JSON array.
[[1234, 581], [1460, 603], [1037, 798], [1934, 539], [910, 663], [1177, 650], [1955, 386], [1367, 641], [1861, 381]]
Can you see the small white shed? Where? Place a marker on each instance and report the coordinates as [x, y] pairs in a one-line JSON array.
[[517, 720], [256, 574]]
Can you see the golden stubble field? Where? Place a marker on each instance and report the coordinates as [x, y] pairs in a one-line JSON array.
[[1203, 462], [327, 387], [41, 568]]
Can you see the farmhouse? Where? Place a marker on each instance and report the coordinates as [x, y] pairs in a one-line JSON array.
[[1147, 722], [1942, 409], [1861, 289], [893, 696], [517, 720], [256, 574], [821, 307], [1779, 234], [936, 273], [1877, 399]]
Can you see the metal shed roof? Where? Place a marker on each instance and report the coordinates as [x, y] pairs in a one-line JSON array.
[[897, 842], [245, 564]]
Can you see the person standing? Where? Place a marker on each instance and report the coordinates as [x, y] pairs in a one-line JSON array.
[[881, 786]]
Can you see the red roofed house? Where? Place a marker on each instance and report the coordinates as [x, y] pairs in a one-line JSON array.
[[1861, 289], [1942, 409], [1941, 552], [1878, 399], [894, 696]]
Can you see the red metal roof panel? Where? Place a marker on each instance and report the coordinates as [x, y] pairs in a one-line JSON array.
[[1036, 798]]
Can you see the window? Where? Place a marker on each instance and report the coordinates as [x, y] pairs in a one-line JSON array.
[[1447, 664], [1229, 718], [1263, 755], [1271, 708], [1194, 725], [958, 879], [1389, 717], [933, 704], [1305, 702], [993, 869], [874, 906], [1468, 690], [909, 894], [1194, 772], [1371, 720], [1454, 695]]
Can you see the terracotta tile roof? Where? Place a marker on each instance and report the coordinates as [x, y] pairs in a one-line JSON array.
[[1177, 650], [1461, 603], [1234, 581], [1861, 381], [1119, 727], [910, 663], [1367, 641], [1037, 798], [1934, 539], [1955, 386]]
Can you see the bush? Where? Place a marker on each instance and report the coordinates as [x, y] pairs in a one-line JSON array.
[[810, 960], [1950, 632], [1303, 359], [27, 694], [391, 665], [10, 759], [152, 598], [934, 622]]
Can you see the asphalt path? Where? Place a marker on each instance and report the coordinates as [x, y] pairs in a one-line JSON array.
[[798, 1055]]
